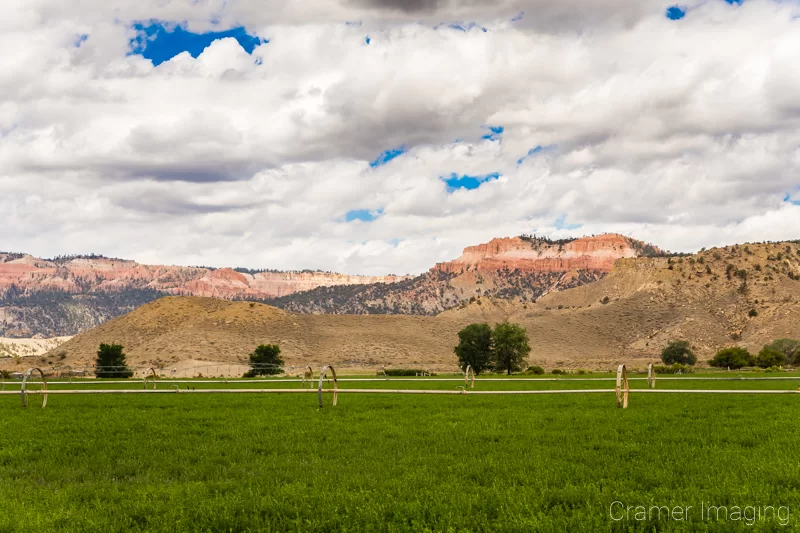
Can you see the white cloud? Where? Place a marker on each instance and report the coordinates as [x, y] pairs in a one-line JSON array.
[[683, 133]]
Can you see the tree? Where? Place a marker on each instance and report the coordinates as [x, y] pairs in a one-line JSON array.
[[679, 352], [769, 357], [111, 362], [475, 347], [733, 358], [265, 361], [789, 347], [511, 347]]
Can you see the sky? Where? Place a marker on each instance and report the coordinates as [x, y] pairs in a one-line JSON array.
[[383, 136]]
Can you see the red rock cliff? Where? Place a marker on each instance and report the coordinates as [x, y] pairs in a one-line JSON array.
[[99, 274], [589, 253]]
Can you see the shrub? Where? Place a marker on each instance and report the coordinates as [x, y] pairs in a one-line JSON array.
[[605, 300], [789, 347], [753, 313], [535, 369], [475, 347], [770, 357], [678, 352], [733, 358], [110, 362], [675, 368], [400, 372], [265, 361], [558, 372]]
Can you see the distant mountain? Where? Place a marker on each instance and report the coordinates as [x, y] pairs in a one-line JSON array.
[[519, 268], [67, 295], [747, 295]]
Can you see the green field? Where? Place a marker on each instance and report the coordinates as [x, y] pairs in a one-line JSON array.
[[382, 462]]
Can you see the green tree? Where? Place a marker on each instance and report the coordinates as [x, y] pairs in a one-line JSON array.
[[790, 348], [110, 362], [679, 352], [265, 361], [769, 357], [511, 347], [475, 347], [733, 358]]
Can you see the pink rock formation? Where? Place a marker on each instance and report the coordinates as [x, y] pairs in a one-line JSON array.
[[589, 253], [100, 274]]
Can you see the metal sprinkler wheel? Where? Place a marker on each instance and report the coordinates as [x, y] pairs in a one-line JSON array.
[[466, 377], [24, 392], [335, 385], [651, 376], [623, 388], [308, 375], [150, 373]]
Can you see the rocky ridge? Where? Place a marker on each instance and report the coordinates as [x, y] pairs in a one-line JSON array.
[[517, 268], [64, 296]]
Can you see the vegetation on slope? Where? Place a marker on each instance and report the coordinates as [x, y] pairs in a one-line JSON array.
[[54, 313], [432, 292]]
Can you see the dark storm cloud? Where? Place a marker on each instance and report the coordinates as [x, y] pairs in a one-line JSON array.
[[407, 6]]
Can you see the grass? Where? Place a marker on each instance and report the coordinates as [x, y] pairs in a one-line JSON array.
[[396, 463]]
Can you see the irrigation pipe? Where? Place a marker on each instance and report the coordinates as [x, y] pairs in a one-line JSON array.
[[400, 391], [93, 381]]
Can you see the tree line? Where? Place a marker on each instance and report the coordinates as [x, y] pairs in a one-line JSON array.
[[777, 353]]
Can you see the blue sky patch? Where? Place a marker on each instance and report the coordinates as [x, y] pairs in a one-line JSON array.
[[675, 12], [494, 133], [80, 39], [387, 156], [518, 16], [455, 182], [364, 215], [533, 151], [561, 223], [367, 39], [161, 41], [788, 199], [737, 2]]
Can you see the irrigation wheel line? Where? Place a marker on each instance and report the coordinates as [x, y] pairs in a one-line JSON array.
[[466, 377], [651, 377], [459, 391], [308, 374], [92, 381], [623, 388], [23, 392], [335, 385], [150, 373]]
